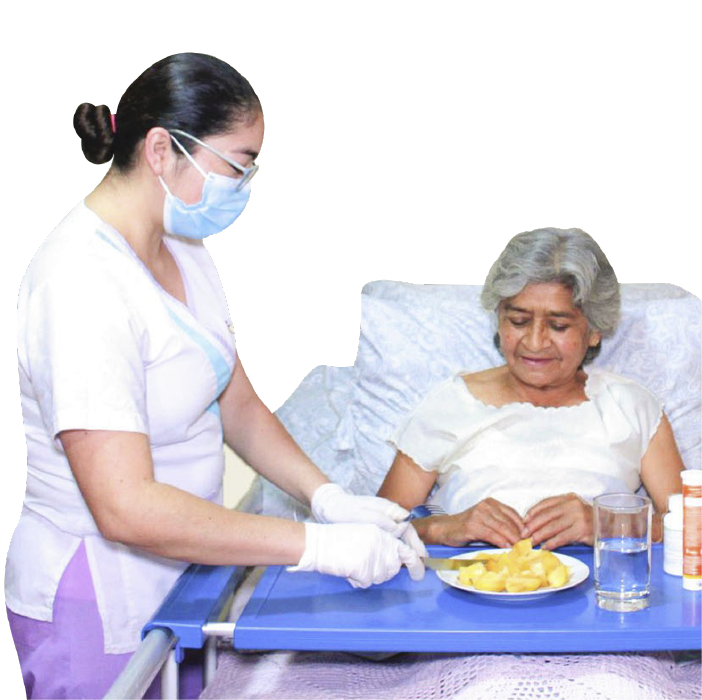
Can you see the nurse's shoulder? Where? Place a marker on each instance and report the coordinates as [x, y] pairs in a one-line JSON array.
[[85, 253]]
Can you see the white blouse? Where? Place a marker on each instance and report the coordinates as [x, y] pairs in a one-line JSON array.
[[520, 454], [101, 346]]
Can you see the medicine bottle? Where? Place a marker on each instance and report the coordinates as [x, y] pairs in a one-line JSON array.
[[673, 536], [692, 529]]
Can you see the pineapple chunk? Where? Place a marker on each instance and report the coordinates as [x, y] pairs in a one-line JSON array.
[[490, 581], [466, 574], [493, 565], [558, 577], [519, 584], [523, 547], [549, 560], [536, 568], [509, 561]]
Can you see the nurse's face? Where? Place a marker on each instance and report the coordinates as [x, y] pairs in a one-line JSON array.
[[241, 144], [543, 336]]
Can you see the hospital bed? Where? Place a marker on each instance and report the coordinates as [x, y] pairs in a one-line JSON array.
[[412, 336]]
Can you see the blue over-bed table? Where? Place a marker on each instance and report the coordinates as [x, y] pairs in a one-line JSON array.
[[299, 611], [310, 611]]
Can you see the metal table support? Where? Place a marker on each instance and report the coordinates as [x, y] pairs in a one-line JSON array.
[[190, 617]]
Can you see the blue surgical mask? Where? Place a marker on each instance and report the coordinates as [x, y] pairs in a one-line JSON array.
[[223, 199]]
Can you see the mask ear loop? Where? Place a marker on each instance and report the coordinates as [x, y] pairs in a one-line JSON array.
[[165, 186], [193, 162]]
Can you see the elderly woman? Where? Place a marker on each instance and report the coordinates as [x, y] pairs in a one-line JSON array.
[[521, 450]]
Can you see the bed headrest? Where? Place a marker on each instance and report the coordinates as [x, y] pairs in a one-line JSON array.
[[413, 336]]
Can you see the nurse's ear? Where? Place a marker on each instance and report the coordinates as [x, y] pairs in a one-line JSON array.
[[157, 151]]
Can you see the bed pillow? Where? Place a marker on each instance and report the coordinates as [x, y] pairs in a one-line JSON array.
[[314, 415], [404, 350], [658, 344], [414, 336]]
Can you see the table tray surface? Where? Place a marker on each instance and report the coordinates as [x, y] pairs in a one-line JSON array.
[[310, 611]]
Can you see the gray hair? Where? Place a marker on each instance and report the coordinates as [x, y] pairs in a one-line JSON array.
[[566, 256]]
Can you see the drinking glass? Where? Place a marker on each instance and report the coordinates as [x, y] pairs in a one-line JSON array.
[[622, 548]]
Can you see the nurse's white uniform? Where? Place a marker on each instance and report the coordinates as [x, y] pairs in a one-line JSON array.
[[103, 347]]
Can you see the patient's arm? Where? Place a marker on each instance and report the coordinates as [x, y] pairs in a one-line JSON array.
[[488, 521], [660, 473], [407, 483]]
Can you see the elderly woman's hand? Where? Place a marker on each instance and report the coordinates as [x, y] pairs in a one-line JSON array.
[[488, 521], [559, 520]]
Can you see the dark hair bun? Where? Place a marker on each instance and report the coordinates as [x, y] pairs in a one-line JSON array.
[[94, 126]]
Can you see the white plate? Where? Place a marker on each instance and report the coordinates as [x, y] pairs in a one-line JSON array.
[[578, 573]]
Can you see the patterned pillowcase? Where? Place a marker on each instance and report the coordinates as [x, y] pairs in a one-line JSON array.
[[404, 350], [314, 415], [657, 344], [414, 336]]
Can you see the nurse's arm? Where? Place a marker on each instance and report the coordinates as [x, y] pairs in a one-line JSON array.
[[260, 439], [115, 474]]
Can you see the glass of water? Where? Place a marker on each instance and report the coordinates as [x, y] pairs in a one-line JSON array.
[[622, 551]]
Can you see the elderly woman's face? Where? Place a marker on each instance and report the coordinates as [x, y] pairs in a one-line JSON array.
[[544, 337]]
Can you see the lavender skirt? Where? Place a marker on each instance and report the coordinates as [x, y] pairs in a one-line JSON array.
[[65, 658]]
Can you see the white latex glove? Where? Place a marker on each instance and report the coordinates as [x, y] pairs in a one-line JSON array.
[[411, 539], [331, 504], [362, 553]]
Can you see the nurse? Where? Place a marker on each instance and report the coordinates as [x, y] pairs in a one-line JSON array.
[[130, 383]]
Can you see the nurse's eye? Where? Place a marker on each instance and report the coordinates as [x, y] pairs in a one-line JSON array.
[[559, 327], [518, 322]]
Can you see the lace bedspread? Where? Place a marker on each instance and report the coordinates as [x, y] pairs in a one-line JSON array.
[[339, 676]]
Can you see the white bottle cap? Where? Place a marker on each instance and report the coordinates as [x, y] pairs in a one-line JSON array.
[[692, 477], [675, 503]]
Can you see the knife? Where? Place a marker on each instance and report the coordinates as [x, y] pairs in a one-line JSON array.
[[438, 564]]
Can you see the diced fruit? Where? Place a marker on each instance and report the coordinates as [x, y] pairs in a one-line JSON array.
[[523, 547], [490, 581], [558, 577], [519, 584], [519, 570], [467, 573]]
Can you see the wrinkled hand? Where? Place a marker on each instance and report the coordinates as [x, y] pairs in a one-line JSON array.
[[362, 553], [331, 504], [558, 521], [488, 521]]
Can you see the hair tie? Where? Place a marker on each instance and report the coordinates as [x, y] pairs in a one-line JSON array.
[[113, 120]]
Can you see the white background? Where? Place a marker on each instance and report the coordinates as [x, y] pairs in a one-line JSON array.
[[404, 140]]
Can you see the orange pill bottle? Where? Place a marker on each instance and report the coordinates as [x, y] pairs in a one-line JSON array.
[[692, 529]]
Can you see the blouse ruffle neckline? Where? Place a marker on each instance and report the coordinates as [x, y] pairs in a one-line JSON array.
[[590, 388]]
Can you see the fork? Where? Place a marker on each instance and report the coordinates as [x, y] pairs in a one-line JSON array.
[[426, 510]]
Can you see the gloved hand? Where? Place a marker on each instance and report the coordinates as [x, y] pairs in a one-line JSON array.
[[331, 504], [362, 553], [411, 539]]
